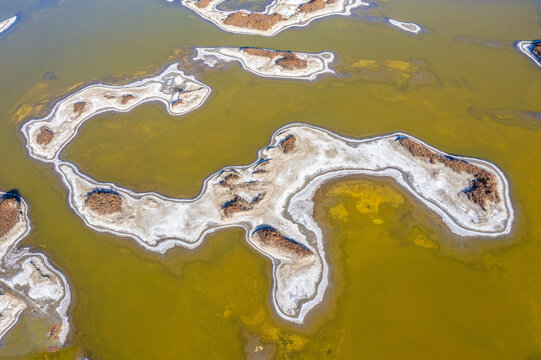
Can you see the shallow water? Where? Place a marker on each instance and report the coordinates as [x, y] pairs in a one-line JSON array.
[[402, 285]]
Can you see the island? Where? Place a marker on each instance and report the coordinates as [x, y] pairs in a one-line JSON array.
[[28, 282], [532, 49], [180, 94], [405, 26], [6, 24], [271, 199], [270, 63], [277, 16]]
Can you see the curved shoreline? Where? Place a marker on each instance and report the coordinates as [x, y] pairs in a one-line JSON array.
[[279, 15], [271, 199], [526, 47], [312, 65], [32, 280]]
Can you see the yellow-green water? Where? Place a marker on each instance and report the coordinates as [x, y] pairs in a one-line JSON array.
[[402, 286]]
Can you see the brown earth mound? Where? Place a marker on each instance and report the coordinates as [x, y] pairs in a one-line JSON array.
[[263, 52], [202, 3], [484, 185], [79, 107], [45, 136], [253, 20], [272, 237], [125, 98], [9, 215], [311, 6], [237, 204], [291, 62], [104, 202], [537, 49], [226, 181], [288, 144]]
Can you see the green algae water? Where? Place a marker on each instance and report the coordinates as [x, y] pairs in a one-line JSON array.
[[402, 286]]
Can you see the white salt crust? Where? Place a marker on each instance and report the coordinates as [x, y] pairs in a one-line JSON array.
[[406, 26], [288, 9], [275, 192], [29, 281], [316, 64], [6, 24], [524, 47]]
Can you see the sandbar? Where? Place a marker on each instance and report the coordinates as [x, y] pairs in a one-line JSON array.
[[406, 26], [6, 24]]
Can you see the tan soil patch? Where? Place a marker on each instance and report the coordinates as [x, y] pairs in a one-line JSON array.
[[104, 203], [311, 6], [288, 144], [253, 20], [125, 98], [79, 107], [484, 185], [54, 331], [202, 3], [9, 215], [272, 237], [291, 62], [45, 136], [226, 181]]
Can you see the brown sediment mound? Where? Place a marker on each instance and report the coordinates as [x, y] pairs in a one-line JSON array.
[[109, 97], [202, 3], [79, 107], [253, 20], [537, 49], [483, 187], [237, 204], [104, 202], [288, 61], [271, 237], [125, 98], [288, 144], [311, 6], [263, 52], [9, 214], [45, 136], [291, 62]]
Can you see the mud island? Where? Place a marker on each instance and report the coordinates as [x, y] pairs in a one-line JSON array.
[[277, 16], [532, 49], [4, 25], [270, 63], [272, 198], [178, 92], [28, 282], [405, 26]]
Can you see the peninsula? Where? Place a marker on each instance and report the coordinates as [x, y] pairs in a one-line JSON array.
[[271, 199], [28, 282]]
